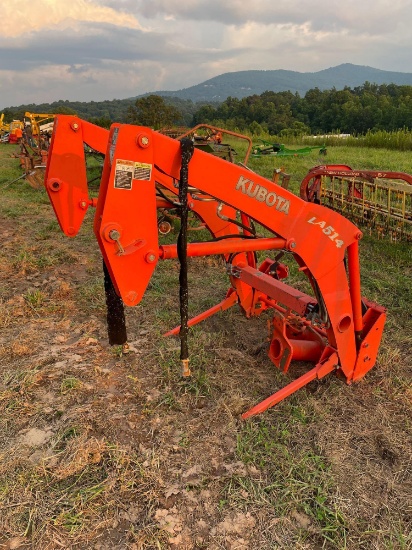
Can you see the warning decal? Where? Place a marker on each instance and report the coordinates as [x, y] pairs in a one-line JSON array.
[[124, 174], [142, 171], [113, 145]]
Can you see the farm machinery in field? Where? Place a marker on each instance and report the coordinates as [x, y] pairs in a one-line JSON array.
[[10, 132], [280, 150], [379, 200], [34, 138], [34, 147], [330, 326], [209, 138]]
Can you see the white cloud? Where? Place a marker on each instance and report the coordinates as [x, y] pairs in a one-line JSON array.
[[25, 16]]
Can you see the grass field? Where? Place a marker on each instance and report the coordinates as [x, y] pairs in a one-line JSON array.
[[107, 451]]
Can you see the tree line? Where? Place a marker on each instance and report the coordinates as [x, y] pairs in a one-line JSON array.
[[370, 107], [104, 113]]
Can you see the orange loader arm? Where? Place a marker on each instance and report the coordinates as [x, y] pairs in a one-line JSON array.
[[337, 330], [68, 190]]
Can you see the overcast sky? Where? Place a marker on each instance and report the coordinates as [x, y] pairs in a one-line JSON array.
[[105, 49]]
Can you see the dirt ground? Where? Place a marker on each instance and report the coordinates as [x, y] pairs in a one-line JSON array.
[[108, 451]]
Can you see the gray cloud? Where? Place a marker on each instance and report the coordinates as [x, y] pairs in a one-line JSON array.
[[99, 61], [187, 42], [369, 16], [79, 47], [109, 43]]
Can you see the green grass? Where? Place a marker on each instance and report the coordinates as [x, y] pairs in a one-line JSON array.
[[355, 157], [400, 140], [91, 294], [70, 384], [297, 481]]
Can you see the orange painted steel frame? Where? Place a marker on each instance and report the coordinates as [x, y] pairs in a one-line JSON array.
[[125, 226], [68, 191]]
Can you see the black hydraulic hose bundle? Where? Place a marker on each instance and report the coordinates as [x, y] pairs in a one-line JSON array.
[[116, 322], [187, 148]]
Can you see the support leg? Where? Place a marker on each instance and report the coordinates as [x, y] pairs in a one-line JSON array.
[[321, 369], [116, 322], [227, 303]]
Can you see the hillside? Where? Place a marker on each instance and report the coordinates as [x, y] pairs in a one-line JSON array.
[[245, 83]]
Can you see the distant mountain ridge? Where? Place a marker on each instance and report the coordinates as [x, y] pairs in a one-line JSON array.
[[215, 90], [245, 83]]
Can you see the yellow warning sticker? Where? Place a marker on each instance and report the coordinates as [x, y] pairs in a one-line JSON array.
[[128, 170], [142, 171]]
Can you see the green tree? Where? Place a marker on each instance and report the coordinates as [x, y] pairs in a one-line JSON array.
[[63, 110], [255, 128], [152, 111], [296, 129], [102, 121]]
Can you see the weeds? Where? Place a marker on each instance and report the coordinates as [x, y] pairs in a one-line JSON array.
[[91, 294], [299, 482], [169, 401], [69, 384], [35, 298]]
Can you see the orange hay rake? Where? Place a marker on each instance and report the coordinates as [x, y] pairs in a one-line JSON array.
[[379, 200]]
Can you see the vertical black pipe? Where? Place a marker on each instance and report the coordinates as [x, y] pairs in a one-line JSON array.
[[116, 322], [187, 147]]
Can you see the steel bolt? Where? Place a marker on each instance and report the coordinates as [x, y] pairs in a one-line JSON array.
[[150, 257], [143, 140], [114, 235], [164, 227]]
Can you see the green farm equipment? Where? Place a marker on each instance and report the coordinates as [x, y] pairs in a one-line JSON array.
[[266, 148]]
